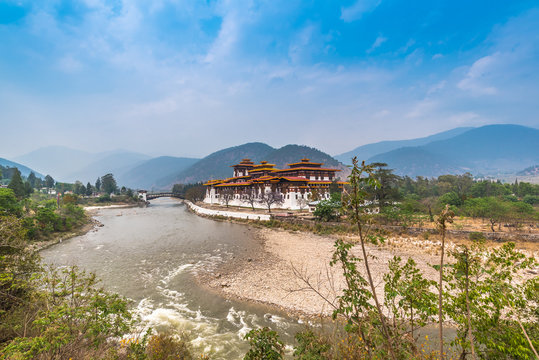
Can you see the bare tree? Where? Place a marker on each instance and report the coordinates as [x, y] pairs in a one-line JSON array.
[[226, 195], [252, 197], [303, 201], [269, 198]]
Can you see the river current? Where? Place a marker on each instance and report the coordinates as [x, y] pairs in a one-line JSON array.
[[151, 255]]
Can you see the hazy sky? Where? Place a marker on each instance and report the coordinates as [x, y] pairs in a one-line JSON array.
[[187, 78]]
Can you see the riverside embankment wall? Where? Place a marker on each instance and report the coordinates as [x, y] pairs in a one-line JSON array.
[[230, 214]]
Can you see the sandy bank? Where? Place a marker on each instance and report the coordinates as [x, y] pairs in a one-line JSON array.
[[269, 274]]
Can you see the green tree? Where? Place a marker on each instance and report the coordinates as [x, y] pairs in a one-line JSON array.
[[49, 182], [108, 183], [98, 184], [89, 189], [17, 185], [387, 190], [8, 203], [32, 179]]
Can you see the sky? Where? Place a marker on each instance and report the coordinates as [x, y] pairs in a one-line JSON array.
[[186, 78]]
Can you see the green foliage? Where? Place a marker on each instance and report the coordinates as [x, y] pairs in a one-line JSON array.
[[311, 346], [8, 203], [265, 345], [167, 347], [408, 297], [450, 198], [531, 199], [17, 185], [327, 210], [108, 184], [49, 181], [74, 313]]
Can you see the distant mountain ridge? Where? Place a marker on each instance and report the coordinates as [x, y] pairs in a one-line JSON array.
[[487, 150], [367, 151], [25, 170]]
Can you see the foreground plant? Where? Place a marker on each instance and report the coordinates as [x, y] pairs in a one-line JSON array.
[[361, 179]]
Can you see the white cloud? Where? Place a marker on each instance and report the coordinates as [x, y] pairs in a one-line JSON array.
[[356, 10], [377, 43], [476, 78]]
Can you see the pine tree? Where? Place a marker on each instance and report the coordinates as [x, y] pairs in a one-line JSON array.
[[17, 185]]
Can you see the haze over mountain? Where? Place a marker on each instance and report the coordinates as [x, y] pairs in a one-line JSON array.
[[69, 165], [487, 150], [217, 165], [147, 174], [369, 150], [25, 171]]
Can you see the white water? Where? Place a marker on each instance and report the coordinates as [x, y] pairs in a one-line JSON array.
[[150, 256]]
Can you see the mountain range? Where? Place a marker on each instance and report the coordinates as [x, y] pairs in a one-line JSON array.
[[484, 151]]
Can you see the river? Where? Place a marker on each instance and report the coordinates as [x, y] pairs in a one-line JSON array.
[[151, 255]]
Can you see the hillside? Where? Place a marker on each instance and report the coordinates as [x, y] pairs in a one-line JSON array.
[[367, 151], [25, 171], [416, 161], [217, 165], [147, 174], [488, 150], [530, 171]]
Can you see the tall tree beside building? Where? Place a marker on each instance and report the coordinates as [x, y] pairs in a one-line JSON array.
[[49, 182], [17, 185], [108, 183], [98, 184]]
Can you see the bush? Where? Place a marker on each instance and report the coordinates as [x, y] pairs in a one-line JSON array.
[[165, 347], [327, 210], [531, 199], [265, 345], [476, 236], [310, 346]]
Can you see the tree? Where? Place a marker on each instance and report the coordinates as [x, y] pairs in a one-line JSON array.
[[195, 193], [270, 198], [98, 184], [8, 203], [49, 182], [251, 196], [89, 189], [387, 191], [32, 179], [108, 183], [354, 202], [328, 210], [445, 217], [17, 185], [226, 195]]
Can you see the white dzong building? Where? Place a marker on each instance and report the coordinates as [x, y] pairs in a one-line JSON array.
[[296, 186]]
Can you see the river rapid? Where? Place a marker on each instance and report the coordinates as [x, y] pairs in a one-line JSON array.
[[151, 256]]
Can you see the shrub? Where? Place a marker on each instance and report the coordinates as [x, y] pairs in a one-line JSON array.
[[311, 346], [476, 236], [265, 345], [165, 346]]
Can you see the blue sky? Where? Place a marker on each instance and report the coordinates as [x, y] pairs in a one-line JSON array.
[[187, 78]]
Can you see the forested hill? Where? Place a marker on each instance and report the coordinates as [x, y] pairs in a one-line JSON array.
[[488, 150], [25, 171], [217, 165]]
